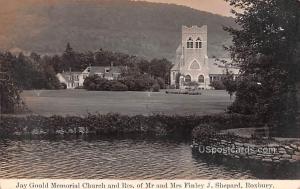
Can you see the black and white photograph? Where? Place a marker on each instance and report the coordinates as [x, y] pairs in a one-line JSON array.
[[150, 90]]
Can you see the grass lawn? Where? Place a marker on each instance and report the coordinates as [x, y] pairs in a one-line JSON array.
[[80, 102]]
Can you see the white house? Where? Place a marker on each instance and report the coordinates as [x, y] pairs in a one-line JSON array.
[[70, 79], [76, 79], [192, 63]]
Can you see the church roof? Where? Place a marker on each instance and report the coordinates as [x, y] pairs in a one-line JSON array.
[[177, 58], [178, 50], [217, 67]]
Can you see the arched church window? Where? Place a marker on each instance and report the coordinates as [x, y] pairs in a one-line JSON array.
[[190, 43], [201, 79], [188, 78], [195, 65], [198, 43]]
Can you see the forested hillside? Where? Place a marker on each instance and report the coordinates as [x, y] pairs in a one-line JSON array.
[[150, 30]]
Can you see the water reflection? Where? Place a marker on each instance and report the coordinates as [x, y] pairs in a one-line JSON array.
[[116, 158]]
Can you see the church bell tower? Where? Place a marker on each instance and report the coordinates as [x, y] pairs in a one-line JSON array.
[[194, 65]]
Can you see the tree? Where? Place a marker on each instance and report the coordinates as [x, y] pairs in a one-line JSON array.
[[160, 68], [229, 83], [35, 57], [51, 81], [86, 59], [69, 59], [264, 47], [9, 95]]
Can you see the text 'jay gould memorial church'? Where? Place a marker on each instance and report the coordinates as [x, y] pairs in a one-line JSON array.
[[192, 63]]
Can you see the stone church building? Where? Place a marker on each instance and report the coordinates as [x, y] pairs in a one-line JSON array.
[[192, 63]]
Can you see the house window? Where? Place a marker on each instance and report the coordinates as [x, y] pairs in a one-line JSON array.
[[116, 75], [198, 43], [99, 74], [190, 43], [76, 78], [188, 78], [201, 79]]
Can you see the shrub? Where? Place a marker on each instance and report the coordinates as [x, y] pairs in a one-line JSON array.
[[161, 83], [102, 84], [204, 132], [192, 84], [79, 87], [96, 83], [118, 86], [129, 82], [172, 87], [141, 85], [138, 82], [63, 86], [133, 83], [218, 85], [155, 87], [181, 126]]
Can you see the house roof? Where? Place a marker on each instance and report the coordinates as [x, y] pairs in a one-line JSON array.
[[102, 69], [71, 73]]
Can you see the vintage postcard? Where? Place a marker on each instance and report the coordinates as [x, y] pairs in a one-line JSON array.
[[149, 94]]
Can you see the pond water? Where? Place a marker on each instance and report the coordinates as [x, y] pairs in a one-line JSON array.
[[119, 158]]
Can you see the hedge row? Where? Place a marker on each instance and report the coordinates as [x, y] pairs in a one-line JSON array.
[[129, 83], [118, 124]]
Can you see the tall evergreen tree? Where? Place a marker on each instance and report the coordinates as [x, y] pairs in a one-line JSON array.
[[265, 49], [69, 59]]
